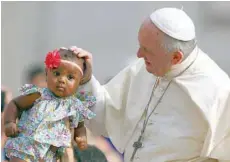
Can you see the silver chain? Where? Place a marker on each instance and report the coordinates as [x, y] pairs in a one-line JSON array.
[[138, 143]]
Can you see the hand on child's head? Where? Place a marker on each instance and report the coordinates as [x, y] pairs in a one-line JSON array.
[[81, 53], [87, 56]]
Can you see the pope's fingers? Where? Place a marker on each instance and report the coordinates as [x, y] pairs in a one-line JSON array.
[[85, 54], [80, 52], [63, 48], [73, 48]]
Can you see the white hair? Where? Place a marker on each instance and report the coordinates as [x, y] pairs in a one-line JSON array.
[[172, 45]]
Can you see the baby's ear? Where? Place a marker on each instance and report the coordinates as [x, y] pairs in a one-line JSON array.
[[87, 73]]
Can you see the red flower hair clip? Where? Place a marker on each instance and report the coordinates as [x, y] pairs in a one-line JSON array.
[[53, 59]]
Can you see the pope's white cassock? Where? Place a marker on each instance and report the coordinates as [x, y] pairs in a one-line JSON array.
[[191, 123]]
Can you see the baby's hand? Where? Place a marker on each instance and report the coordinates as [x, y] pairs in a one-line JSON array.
[[11, 129], [81, 142]]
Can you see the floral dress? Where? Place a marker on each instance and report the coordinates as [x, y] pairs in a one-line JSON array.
[[45, 124]]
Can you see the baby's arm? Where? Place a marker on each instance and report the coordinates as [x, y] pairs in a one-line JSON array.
[[80, 136], [13, 109]]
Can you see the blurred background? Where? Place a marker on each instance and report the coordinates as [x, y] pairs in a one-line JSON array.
[[107, 29]]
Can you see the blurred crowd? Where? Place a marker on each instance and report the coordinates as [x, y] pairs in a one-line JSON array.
[[100, 149]]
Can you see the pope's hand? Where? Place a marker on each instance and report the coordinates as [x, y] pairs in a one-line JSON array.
[[81, 53]]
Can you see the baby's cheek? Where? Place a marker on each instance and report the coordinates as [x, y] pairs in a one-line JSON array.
[[75, 86], [71, 90]]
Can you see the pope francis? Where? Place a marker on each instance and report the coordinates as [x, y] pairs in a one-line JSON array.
[[172, 104]]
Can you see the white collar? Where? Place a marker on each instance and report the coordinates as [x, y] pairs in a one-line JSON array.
[[179, 68]]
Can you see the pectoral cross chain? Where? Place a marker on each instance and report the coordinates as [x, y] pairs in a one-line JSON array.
[[138, 144]]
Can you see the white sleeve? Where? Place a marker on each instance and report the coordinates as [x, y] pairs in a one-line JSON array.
[[111, 102], [96, 125], [217, 142]]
